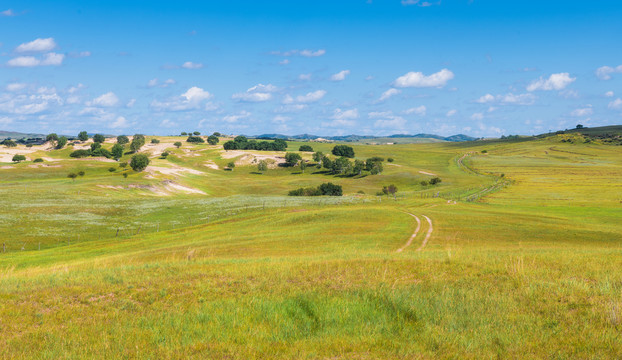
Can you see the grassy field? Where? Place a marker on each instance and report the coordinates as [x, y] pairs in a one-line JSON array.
[[523, 258]]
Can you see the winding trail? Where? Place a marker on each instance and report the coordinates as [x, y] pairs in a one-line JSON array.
[[412, 237], [427, 236]]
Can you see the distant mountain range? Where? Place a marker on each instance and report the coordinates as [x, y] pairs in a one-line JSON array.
[[354, 138], [18, 135]]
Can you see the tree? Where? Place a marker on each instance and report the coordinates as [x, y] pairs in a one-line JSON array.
[[579, 126], [83, 136], [358, 167], [52, 138], [95, 146], [216, 133], [61, 142], [80, 154], [99, 138], [177, 144], [72, 176], [376, 168], [435, 180], [391, 189], [117, 151], [317, 157], [343, 150], [303, 166], [291, 159], [197, 133], [231, 165], [139, 162], [327, 163], [212, 140], [195, 139], [390, 160], [331, 189], [137, 142], [183, 133], [19, 158], [164, 155], [155, 141], [229, 145], [262, 166], [9, 143], [341, 165], [122, 140], [305, 148], [37, 160]]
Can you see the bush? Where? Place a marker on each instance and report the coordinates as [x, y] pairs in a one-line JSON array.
[[291, 159], [424, 183], [95, 146], [139, 162], [484, 151], [183, 133], [123, 164], [83, 136], [117, 151], [99, 138], [137, 142], [155, 141], [231, 165], [80, 154], [435, 180], [216, 133], [390, 160], [262, 166], [122, 140], [242, 143], [195, 139], [19, 158], [343, 150], [165, 154], [72, 176], [177, 144], [197, 133], [212, 140], [9, 143], [305, 148], [331, 189], [37, 160], [310, 191], [112, 169], [61, 142]]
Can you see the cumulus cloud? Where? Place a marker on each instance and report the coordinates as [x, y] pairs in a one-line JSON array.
[[192, 99], [418, 79], [389, 93], [155, 82], [609, 94], [191, 65], [167, 123], [15, 87], [339, 114], [581, 112], [108, 99], [281, 119], [120, 123], [387, 120], [49, 59], [615, 104], [233, 118], [290, 108], [8, 12], [304, 77], [37, 45], [28, 104], [340, 76], [554, 82], [305, 53], [604, 72], [307, 98], [419, 110], [257, 93], [477, 116], [507, 99], [451, 113], [420, 3]]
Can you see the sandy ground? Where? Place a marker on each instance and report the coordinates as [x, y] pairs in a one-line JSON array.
[[6, 154], [176, 170], [166, 188], [156, 149], [426, 173], [212, 165], [248, 158]]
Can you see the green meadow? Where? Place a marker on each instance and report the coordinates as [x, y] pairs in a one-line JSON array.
[[521, 258]]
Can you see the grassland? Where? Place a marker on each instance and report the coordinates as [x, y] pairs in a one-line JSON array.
[[524, 258]]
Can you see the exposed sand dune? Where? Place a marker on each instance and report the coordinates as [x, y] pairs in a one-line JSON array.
[[249, 158], [156, 149], [166, 188], [212, 165], [176, 170]]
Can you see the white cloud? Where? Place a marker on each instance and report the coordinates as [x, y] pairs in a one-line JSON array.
[[8, 12], [74, 89], [153, 82], [554, 82], [108, 99], [420, 3], [307, 98], [4, 120], [50, 59], [305, 53], [166, 123], [190, 65], [290, 108], [587, 111], [451, 113], [119, 123], [604, 72], [53, 59], [284, 62], [29, 104], [387, 120], [615, 104], [15, 87], [418, 79], [234, 118], [387, 94], [131, 103], [507, 99], [609, 94], [304, 77], [419, 110], [281, 119], [37, 45], [477, 116], [339, 114], [257, 93], [340, 76]]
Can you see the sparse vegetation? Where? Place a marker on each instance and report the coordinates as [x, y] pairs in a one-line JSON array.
[[139, 162]]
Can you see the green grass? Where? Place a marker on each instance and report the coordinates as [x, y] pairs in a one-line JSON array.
[[529, 269]]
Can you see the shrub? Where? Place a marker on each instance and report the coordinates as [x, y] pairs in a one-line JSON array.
[[484, 151], [117, 151], [72, 176], [343, 150], [83, 136], [310, 191], [331, 189], [122, 140], [216, 133], [137, 142], [123, 164], [61, 142], [212, 140], [155, 141], [291, 159], [195, 139], [80, 154], [183, 133], [112, 169], [177, 144], [231, 165], [390, 160], [125, 175], [95, 146], [19, 158], [81, 173], [435, 180], [37, 160], [197, 133], [139, 162], [9, 143], [165, 154], [424, 183], [99, 138], [262, 166], [305, 148]]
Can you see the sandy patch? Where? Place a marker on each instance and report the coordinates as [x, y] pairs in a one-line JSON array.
[[426, 173], [212, 165], [171, 186], [176, 170], [166, 188], [156, 149], [7, 167], [249, 158], [392, 164], [49, 159], [6, 154], [97, 158]]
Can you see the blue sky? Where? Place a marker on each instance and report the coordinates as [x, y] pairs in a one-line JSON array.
[[479, 67]]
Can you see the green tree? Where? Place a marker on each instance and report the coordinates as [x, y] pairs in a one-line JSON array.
[[216, 133], [262, 166], [195, 139], [197, 133], [37, 160], [177, 144], [19, 158], [305, 148], [212, 140], [83, 136], [155, 141], [61, 142], [391, 189], [137, 142], [139, 162], [358, 167], [81, 173], [99, 138], [52, 138], [122, 140], [117, 151], [9, 143], [72, 176], [331, 189], [341, 165], [291, 159], [435, 180], [231, 165], [183, 133], [343, 150], [95, 146]]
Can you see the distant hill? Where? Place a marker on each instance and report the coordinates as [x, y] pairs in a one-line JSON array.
[[356, 138], [17, 135]]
